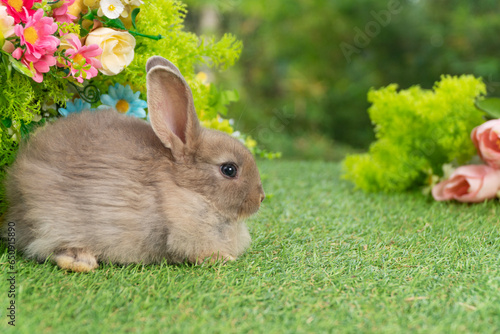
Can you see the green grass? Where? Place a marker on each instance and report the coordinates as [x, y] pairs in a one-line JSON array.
[[324, 258]]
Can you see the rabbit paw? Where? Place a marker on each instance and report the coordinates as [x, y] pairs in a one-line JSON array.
[[76, 260], [213, 258]]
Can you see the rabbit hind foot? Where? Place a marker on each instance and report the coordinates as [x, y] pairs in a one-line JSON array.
[[77, 260]]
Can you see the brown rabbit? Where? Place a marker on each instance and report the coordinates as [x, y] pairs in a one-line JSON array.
[[101, 186]]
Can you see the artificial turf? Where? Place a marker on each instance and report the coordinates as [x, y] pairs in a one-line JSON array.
[[324, 258]]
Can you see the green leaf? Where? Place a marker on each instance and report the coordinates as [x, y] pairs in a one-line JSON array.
[[7, 122], [2, 38], [3, 100], [115, 23], [134, 14], [490, 106], [18, 66], [218, 99], [91, 14], [27, 128], [229, 96]]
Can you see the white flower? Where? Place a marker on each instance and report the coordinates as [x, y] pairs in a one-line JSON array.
[[133, 2], [117, 49], [111, 8]]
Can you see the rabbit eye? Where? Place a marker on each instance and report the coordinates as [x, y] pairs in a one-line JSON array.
[[229, 170]]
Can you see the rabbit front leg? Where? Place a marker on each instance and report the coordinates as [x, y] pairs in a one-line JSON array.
[[212, 258], [75, 259]]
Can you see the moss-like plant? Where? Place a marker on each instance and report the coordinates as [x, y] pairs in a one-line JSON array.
[[417, 132]]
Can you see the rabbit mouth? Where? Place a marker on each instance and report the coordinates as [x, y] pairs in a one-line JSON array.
[[248, 208]]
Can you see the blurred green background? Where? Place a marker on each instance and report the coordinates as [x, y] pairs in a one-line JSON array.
[[307, 65]]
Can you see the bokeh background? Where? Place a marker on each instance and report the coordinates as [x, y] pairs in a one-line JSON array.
[[307, 65]]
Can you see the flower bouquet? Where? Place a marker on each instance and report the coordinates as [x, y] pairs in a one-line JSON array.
[[64, 56]]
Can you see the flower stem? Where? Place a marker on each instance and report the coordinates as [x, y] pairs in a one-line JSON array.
[[156, 38]]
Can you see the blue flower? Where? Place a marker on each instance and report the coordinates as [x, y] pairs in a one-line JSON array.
[[124, 100], [78, 105]]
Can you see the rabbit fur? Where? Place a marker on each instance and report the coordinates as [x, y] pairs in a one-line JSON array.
[[102, 186]]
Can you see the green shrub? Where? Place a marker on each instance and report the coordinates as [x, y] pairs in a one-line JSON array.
[[417, 132]]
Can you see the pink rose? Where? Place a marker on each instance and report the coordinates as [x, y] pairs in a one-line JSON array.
[[486, 138], [473, 183]]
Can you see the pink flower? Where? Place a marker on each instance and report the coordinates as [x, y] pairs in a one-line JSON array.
[[40, 66], [43, 66], [84, 65], [473, 183], [20, 10], [18, 53], [61, 14], [486, 138], [37, 35]]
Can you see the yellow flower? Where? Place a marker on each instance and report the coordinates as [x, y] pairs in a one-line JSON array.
[[250, 142], [117, 49], [218, 124], [93, 4], [203, 78], [77, 8]]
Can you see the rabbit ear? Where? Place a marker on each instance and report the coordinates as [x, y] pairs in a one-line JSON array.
[[157, 60], [171, 108]]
